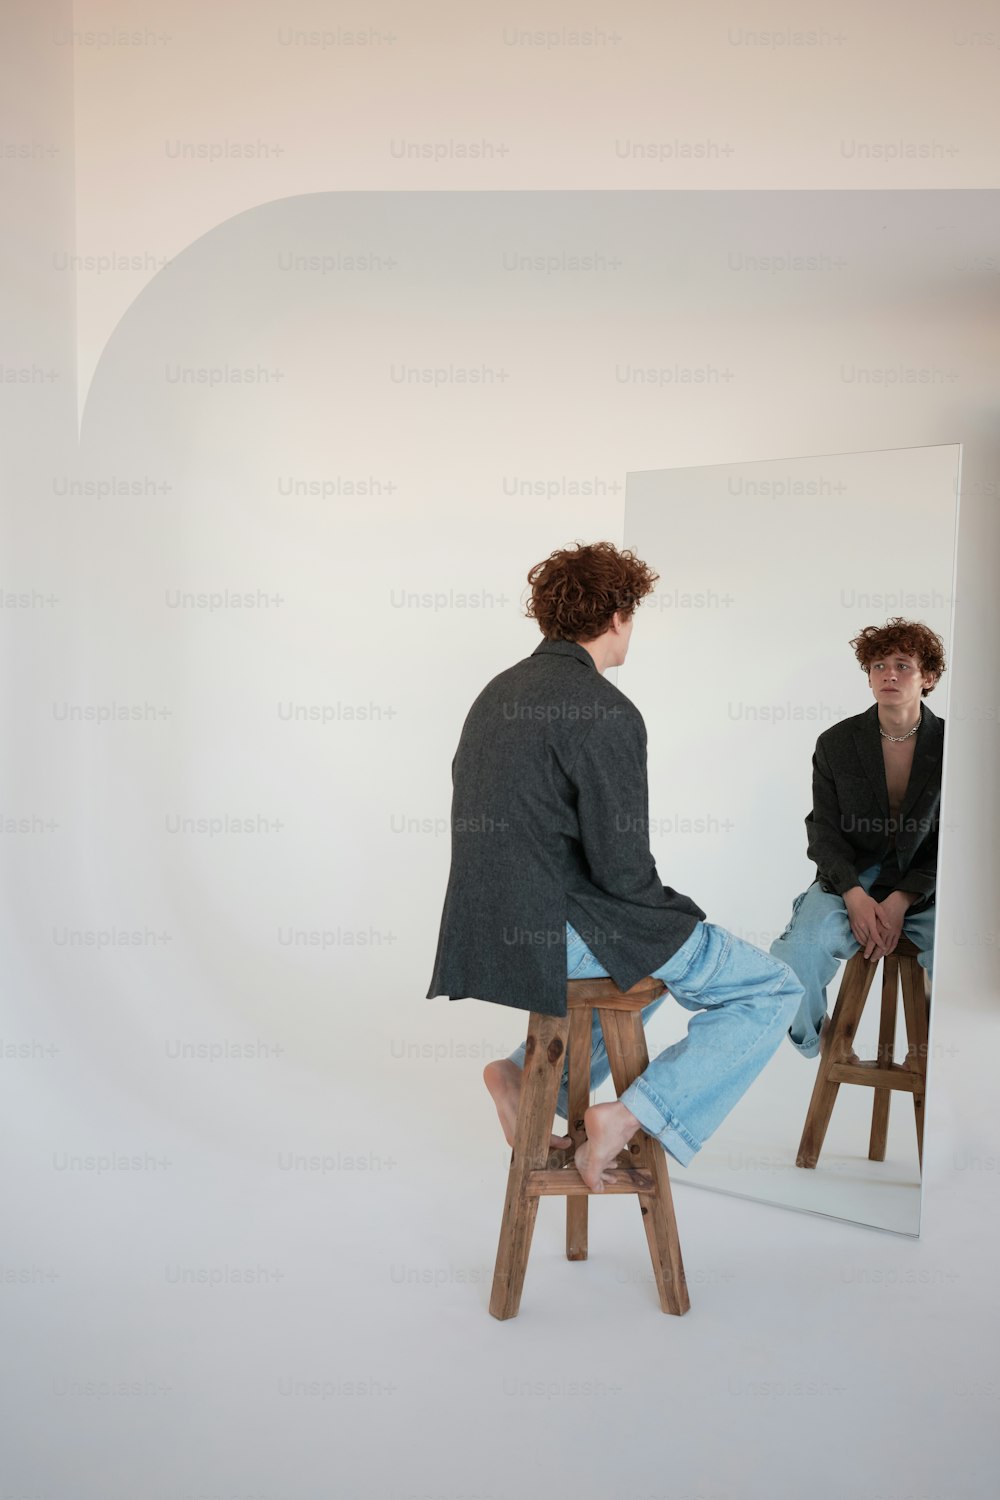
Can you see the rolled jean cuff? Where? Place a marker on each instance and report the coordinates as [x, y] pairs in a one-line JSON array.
[[808, 1049], [656, 1120]]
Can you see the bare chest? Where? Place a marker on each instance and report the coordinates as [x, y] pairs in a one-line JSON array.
[[898, 761]]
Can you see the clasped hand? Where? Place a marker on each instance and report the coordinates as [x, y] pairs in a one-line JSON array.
[[877, 925]]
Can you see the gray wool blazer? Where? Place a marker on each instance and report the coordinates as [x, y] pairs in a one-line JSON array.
[[549, 824], [848, 825]]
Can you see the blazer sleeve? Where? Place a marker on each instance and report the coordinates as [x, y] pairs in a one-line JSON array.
[[609, 775], [827, 847]]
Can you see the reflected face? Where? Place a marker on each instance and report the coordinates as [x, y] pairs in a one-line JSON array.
[[897, 680]]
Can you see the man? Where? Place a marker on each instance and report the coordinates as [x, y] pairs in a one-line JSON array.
[[873, 828], [552, 875]]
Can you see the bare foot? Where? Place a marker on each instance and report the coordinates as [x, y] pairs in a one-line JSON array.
[[503, 1079], [609, 1128]]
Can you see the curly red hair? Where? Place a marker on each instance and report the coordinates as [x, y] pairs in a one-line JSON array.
[[911, 637], [576, 590]]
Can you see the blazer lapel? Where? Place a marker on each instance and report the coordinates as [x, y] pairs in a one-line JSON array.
[[868, 743], [925, 756]]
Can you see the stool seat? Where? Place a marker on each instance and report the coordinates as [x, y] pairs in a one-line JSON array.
[[882, 1073], [604, 994], [536, 1171]]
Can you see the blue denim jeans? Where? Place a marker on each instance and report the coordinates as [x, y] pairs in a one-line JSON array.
[[744, 1001], [818, 936]]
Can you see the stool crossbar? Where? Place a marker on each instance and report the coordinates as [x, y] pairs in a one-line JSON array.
[[536, 1171]]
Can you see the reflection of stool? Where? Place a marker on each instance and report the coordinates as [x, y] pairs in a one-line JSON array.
[[881, 1073], [536, 1170]]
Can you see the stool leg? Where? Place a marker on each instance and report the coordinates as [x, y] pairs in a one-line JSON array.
[[543, 1066], [886, 1052], [580, 1024], [853, 993], [625, 1042], [915, 1011]]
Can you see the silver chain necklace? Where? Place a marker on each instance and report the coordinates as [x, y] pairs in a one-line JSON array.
[[898, 738]]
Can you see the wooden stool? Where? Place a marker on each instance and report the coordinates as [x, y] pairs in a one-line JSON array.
[[537, 1170], [882, 1073]]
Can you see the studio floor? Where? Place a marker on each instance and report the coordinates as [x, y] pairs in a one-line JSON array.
[[325, 1333]]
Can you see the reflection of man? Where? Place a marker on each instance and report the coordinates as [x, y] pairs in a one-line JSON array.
[[873, 828], [550, 828]]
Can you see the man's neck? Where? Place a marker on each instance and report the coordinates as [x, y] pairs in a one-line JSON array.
[[596, 650], [897, 719]]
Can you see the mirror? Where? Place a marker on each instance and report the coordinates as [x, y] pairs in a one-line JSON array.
[[739, 660]]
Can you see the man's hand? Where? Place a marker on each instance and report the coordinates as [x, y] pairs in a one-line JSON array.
[[889, 916], [863, 914], [877, 924]]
